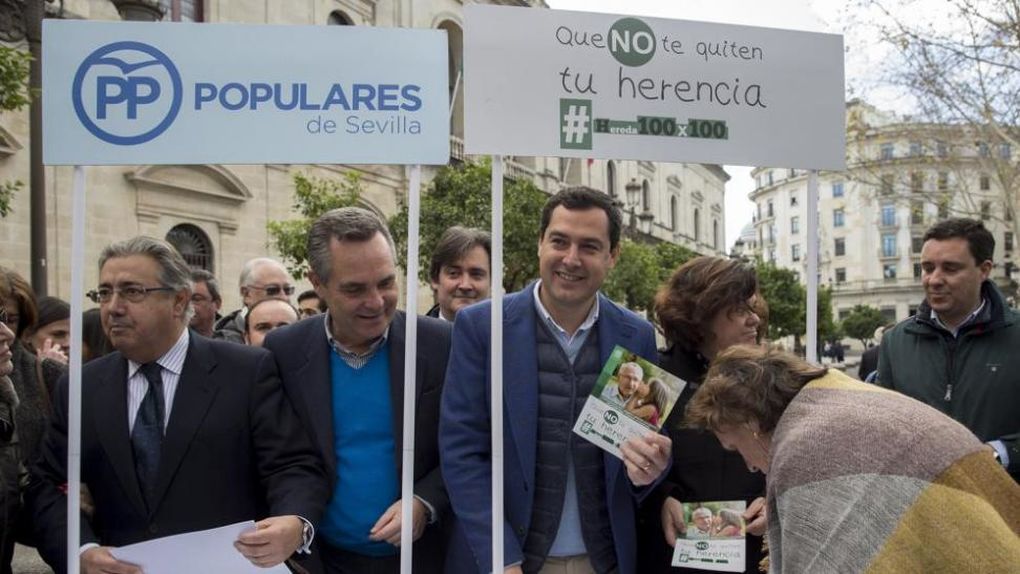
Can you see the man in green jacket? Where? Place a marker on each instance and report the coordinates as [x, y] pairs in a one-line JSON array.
[[961, 352]]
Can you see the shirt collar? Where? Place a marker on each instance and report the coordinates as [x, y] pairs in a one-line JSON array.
[[344, 351], [172, 360], [970, 318], [593, 314]]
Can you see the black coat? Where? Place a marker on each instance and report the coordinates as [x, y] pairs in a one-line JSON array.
[[703, 471], [234, 450]]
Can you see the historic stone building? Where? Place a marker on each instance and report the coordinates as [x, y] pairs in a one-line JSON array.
[[902, 177], [217, 214]]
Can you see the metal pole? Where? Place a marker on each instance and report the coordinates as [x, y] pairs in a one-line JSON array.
[[812, 267], [74, 372], [410, 362], [497, 365], [37, 176]]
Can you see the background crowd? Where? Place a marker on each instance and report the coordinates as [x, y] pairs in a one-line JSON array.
[[292, 414]]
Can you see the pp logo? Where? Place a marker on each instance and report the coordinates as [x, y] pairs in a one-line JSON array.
[[127, 93]]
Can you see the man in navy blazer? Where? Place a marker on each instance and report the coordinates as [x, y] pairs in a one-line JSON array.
[[568, 504], [178, 432], [344, 372]]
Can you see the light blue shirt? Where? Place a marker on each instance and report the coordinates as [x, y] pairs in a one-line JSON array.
[[569, 540]]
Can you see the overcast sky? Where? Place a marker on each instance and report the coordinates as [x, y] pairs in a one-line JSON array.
[[809, 15]]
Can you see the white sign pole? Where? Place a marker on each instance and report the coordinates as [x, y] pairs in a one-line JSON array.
[[496, 348], [410, 368], [812, 267], [74, 372]]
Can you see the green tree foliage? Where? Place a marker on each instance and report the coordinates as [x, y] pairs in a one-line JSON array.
[[861, 323], [787, 301], [461, 195], [828, 329], [312, 197], [14, 95], [641, 269]]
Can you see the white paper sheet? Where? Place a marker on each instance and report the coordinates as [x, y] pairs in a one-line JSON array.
[[195, 552]]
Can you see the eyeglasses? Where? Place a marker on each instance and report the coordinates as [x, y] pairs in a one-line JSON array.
[[273, 290], [132, 293]]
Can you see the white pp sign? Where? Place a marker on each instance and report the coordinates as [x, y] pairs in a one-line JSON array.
[[134, 93], [574, 84]]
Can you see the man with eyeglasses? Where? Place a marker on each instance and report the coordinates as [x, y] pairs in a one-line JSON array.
[[179, 433], [261, 278], [205, 301]]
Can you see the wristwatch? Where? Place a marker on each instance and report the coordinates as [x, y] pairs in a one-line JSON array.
[[306, 535]]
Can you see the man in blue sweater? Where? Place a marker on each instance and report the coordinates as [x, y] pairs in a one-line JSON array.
[[344, 372]]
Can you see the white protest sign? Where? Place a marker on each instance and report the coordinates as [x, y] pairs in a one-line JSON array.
[[147, 93], [574, 84]]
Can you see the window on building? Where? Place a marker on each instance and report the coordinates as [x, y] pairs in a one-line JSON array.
[[181, 10], [886, 151], [984, 183], [941, 149], [697, 225], [840, 246], [915, 148], [916, 212], [611, 178], [771, 180], [339, 18], [983, 149], [772, 255], [840, 275], [838, 217], [916, 182], [943, 181], [646, 196], [889, 271], [794, 225], [944, 207], [911, 310], [1008, 241], [917, 270], [795, 252], [886, 185], [986, 210], [1005, 151], [888, 215], [844, 313], [193, 244], [916, 244], [771, 210], [674, 212], [888, 245], [837, 189], [772, 233], [793, 199], [888, 314], [715, 234]]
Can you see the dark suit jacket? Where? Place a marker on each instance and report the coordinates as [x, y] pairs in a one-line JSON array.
[[302, 354], [234, 450], [464, 432]]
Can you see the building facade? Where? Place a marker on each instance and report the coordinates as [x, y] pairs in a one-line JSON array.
[[902, 177], [217, 214]]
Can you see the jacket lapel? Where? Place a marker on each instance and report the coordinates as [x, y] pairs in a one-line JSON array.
[[315, 390], [195, 392], [396, 383], [520, 377], [108, 405]]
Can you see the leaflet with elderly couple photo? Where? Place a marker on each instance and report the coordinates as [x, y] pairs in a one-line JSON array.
[[713, 537], [630, 398]]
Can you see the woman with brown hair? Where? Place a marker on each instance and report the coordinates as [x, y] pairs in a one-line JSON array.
[[706, 306], [10, 467], [860, 478]]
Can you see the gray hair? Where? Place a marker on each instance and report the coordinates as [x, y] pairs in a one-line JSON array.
[[174, 271], [632, 366], [343, 224], [250, 266], [701, 511]]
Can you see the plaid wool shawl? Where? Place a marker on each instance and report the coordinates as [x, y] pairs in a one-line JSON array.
[[862, 479]]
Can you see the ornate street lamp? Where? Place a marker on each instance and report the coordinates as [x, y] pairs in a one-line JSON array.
[[139, 10]]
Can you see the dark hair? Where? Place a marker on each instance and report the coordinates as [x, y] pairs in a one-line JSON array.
[[51, 310], [21, 292], [309, 294], [251, 309], [749, 383], [979, 240], [697, 291], [203, 276], [581, 198], [454, 244], [93, 336]]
